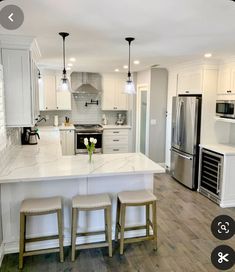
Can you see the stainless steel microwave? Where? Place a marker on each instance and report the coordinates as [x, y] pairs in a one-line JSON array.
[[225, 108]]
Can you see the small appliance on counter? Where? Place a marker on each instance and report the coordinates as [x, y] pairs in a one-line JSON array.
[[121, 119], [29, 136], [56, 121]]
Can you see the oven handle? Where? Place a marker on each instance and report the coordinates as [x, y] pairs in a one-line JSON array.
[[88, 133]]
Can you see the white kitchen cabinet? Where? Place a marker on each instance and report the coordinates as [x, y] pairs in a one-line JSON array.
[[226, 80], [115, 141], [50, 98], [21, 87], [113, 97], [67, 141], [190, 82]]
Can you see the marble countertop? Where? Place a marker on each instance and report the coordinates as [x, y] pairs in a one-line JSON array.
[[45, 162], [225, 149], [69, 127]]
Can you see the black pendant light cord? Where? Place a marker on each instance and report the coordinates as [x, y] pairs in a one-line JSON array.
[[64, 35], [129, 40]]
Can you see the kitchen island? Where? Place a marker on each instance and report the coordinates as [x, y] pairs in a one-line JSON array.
[[41, 171]]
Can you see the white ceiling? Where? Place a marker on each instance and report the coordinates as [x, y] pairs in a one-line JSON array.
[[166, 31]]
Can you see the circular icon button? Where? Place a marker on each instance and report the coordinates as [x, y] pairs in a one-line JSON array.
[[223, 257], [11, 17], [223, 227]]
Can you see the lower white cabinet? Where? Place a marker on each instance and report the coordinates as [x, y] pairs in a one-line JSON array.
[[67, 141], [115, 141]]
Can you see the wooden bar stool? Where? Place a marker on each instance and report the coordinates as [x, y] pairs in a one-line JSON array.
[[91, 203], [136, 198], [34, 207]]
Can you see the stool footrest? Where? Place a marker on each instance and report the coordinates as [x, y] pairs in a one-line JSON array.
[[134, 227], [90, 233], [138, 239], [41, 251], [92, 245], [42, 238]]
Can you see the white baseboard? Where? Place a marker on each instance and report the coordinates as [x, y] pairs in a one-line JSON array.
[[1, 253], [13, 247], [227, 204]]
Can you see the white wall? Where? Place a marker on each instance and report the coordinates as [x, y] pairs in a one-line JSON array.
[[172, 86]]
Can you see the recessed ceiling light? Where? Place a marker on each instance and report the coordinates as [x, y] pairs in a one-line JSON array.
[[125, 66], [72, 59], [116, 70], [136, 62], [70, 64], [208, 55]]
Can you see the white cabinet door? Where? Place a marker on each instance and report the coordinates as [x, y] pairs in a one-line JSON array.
[[108, 96], [35, 90], [18, 94], [190, 82], [115, 141], [67, 142], [224, 80], [49, 89], [232, 82], [51, 99], [113, 97], [63, 101]]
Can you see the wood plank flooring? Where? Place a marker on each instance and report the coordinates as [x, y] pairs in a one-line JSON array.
[[185, 240]]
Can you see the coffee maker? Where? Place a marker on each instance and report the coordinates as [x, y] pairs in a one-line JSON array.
[[29, 136]]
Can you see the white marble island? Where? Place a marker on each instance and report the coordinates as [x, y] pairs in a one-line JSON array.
[[41, 171]]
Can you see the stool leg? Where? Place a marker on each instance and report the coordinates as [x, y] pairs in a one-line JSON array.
[[117, 220], [123, 215], [109, 229], [60, 231], [74, 232], [22, 239], [147, 220], [154, 211], [106, 224]]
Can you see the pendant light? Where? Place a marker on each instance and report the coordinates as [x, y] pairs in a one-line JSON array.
[[64, 85], [129, 87]]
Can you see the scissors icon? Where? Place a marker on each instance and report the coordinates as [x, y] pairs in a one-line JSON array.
[[222, 257]]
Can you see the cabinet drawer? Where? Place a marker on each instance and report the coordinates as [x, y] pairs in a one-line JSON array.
[[115, 140], [111, 150], [115, 132]]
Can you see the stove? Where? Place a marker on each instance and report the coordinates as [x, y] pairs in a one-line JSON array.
[[83, 131]]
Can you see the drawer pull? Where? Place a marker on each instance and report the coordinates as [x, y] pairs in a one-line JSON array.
[[115, 140], [115, 149], [116, 132]]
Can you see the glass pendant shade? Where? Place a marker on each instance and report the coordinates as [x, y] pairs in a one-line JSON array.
[[64, 85], [129, 87]]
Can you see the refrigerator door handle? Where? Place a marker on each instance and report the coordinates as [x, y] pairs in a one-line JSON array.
[[181, 155], [177, 123]]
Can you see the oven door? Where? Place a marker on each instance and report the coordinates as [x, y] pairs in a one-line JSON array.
[[80, 136], [225, 109]]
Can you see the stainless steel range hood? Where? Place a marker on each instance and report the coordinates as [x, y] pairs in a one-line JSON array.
[[85, 83]]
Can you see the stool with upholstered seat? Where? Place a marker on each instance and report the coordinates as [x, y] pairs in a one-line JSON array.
[[91, 203], [34, 207], [136, 198]]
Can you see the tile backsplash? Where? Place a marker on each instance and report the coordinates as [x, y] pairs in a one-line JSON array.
[[80, 113]]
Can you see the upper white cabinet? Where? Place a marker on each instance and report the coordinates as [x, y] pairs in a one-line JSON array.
[[21, 85], [113, 97], [226, 80], [50, 99], [190, 82]]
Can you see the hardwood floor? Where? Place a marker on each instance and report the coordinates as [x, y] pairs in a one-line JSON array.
[[185, 240]]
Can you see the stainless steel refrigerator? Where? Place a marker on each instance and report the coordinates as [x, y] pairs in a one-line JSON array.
[[186, 119]]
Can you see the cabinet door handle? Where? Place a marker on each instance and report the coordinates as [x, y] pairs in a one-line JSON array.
[[229, 91], [187, 91], [46, 108], [57, 108], [218, 178], [115, 149]]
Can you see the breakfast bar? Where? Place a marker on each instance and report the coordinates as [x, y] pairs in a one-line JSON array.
[[41, 171]]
